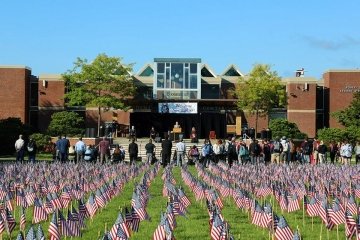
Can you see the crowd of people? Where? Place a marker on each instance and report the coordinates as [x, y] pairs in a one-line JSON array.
[[243, 151], [279, 150]]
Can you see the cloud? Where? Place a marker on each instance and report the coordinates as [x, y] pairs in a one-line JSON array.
[[332, 45]]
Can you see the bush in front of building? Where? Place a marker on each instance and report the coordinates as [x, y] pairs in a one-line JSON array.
[[282, 127], [328, 135], [43, 142], [10, 129], [66, 123]]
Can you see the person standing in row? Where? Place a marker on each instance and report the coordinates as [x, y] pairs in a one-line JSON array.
[[180, 152], [166, 147], [31, 148], [133, 151], [63, 147], [150, 150], [80, 148], [19, 147], [104, 149]]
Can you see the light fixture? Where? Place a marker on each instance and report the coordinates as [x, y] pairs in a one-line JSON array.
[[177, 75]]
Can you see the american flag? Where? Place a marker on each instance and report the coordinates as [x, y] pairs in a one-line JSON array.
[[283, 231], [83, 212], [351, 205], [31, 234], [171, 216], [99, 199], [336, 214], [20, 236], [216, 228], [2, 225], [54, 233], [91, 206], [20, 199], [258, 216], [120, 235], [22, 219], [39, 213], [128, 218], [183, 198], [296, 236], [350, 225], [140, 209], [268, 214], [160, 233], [73, 224], [119, 223], [10, 221], [293, 203], [312, 208], [40, 233], [135, 220]]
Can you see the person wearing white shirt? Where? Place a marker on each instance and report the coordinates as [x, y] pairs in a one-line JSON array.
[[180, 152], [346, 152], [80, 149], [19, 147], [357, 152]]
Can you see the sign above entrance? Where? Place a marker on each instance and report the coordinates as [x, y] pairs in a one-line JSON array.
[[177, 107]]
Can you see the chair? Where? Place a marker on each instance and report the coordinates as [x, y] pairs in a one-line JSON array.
[[212, 135]]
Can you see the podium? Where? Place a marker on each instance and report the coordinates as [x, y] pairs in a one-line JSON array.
[[176, 134]]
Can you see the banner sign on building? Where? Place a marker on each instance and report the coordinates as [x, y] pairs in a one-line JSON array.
[[177, 107]]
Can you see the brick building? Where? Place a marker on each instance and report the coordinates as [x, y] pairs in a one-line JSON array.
[[186, 83]]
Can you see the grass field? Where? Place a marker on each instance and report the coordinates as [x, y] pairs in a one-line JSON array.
[[196, 224]]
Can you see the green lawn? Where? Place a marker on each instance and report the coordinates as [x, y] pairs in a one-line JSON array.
[[196, 224]]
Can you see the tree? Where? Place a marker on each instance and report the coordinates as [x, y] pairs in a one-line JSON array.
[[351, 134], [104, 83], [282, 127], [66, 123], [350, 116], [42, 141], [260, 91]]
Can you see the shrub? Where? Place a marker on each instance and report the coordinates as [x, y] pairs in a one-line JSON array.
[[66, 123]]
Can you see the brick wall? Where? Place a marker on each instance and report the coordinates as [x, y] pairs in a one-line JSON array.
[[302, 106], [341, 86], [14, 94]]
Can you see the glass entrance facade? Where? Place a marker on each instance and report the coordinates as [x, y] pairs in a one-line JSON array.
[[177, 78]]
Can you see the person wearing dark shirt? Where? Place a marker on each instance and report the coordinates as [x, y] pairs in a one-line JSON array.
[[32, 148], [150, 150], [133, 151], [104, 149], [152, 133], [166, 147], [63, 147]]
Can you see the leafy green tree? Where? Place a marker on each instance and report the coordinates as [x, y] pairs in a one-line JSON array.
[[282, 127], [260, 91], [66, 123], [331, 134], [104, 83], [350, 116], [42, 141], [351, 134]]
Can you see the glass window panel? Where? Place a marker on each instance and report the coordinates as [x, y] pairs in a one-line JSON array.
[[177, 75], [193, 68], [160, 67], [167, 64], [193, 95], [193, 81], [160, 80], [187, 78], [186, 64], [167, 74]]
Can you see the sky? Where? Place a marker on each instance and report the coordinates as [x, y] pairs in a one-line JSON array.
[[48, 36]]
